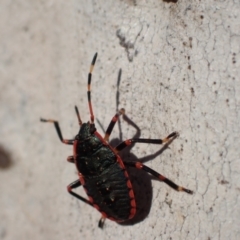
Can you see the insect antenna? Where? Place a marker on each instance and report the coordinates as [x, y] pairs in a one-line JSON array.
[[89, 88], [78, 116]]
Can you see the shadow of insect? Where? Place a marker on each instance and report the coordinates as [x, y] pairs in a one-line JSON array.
[[169, 1], [141, 181], [5, 159]]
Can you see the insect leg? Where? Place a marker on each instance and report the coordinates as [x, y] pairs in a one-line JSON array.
[[78, 116], [73, 185], [89, 88], [128, 142], [70, 142], [139, 165], [70, 159], [112, 123], [101, 222]]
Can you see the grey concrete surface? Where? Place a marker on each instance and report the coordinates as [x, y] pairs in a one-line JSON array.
[[180, 72]]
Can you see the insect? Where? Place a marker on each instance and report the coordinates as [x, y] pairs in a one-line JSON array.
[[101, 171]]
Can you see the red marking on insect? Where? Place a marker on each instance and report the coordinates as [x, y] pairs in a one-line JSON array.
[[96, 206], [101, 138], [126, 174], [162, 178], [90, 199], [132, 213], [120, 162], [104, 215], [133, 203], [75, 149], [139, 165], [129, 184], [81, 178], [131, 194]]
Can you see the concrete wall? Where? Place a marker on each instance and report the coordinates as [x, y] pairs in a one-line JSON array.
[[180, 72]]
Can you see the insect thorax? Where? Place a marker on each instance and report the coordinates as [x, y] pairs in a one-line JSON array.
[[92, 156]]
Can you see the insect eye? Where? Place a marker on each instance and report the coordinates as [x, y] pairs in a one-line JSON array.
[[92, 128]]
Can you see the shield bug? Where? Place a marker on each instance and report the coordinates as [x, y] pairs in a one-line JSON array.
[[102, 172]]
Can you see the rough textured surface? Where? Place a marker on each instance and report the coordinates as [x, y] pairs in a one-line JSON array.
[[180, 71]]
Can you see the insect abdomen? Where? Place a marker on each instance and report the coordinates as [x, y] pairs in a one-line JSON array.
[[110, 193]]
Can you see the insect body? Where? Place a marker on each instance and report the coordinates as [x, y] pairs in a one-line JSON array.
[[102, 172]]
